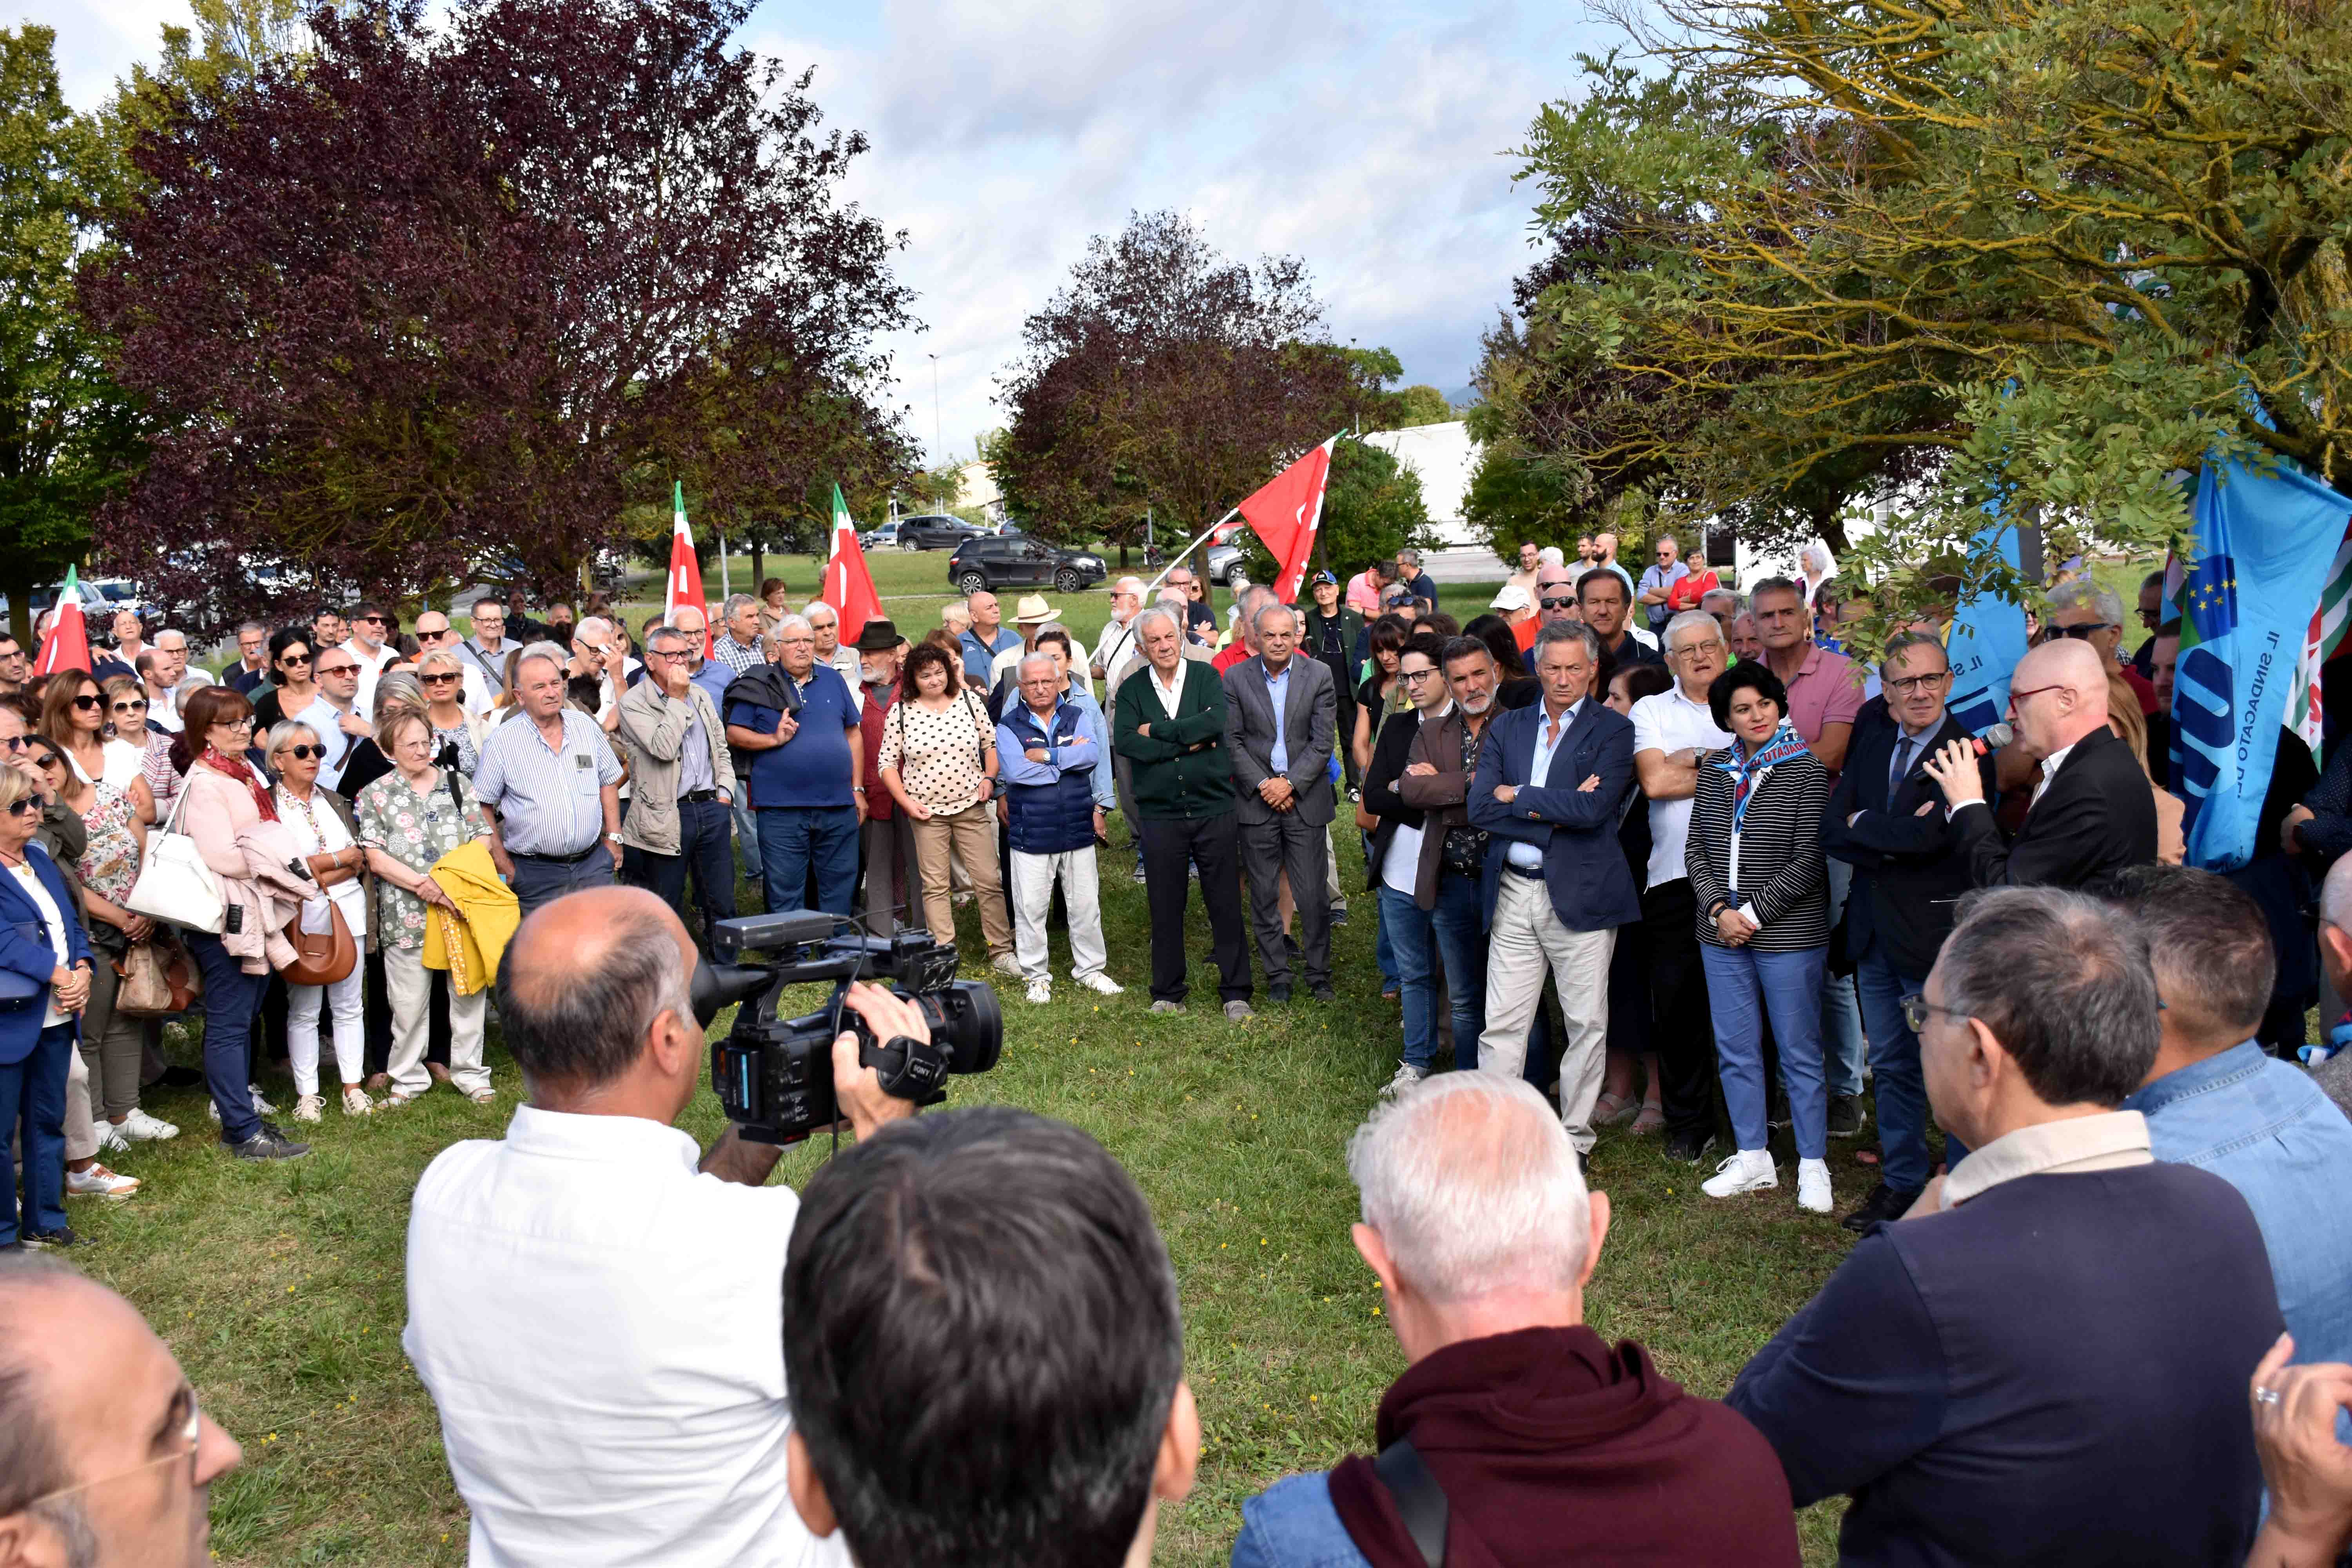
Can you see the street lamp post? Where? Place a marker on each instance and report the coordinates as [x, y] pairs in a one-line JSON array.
[[937, 440]]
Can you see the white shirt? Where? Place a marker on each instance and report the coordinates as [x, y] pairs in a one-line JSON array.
[[1548, 741], [1666, 723], [1172, 692], [316, 829], [163, 711], [120, 760], [371, 665], [30, 880], [2050, 766], [1401, 866], [600, 1328]]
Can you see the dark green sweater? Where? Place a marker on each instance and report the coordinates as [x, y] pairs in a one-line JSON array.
[[1181, 769]]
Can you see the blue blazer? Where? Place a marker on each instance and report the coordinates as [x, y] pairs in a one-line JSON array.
[[1592, 886], [20, 1026]]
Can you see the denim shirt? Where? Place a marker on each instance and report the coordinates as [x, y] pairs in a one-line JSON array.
[[1292, 1524], [2269, 1132]]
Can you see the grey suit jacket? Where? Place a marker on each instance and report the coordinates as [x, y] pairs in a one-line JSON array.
[[1308, 719]]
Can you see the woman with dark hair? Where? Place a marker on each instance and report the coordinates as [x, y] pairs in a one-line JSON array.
[[938, 763], [1629, 963], [1381, 696], [1759, 879], [223, 794], [291, 686], [1514, 687]]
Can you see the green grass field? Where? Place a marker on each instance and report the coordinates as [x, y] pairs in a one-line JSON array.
[[281, 1288]]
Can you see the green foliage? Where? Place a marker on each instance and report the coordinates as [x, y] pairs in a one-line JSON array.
[[1421, 405]]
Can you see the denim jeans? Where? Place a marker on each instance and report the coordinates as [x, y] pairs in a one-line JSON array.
[[1742, 987], [795, 839], [704, 849], [1448, 939], [33, 1104], [1895, 1073], [1841, 1041], [232, 998], [747, 825], [538, 882]]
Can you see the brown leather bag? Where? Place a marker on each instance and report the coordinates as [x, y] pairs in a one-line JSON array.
[[320, 957], [158, 978]]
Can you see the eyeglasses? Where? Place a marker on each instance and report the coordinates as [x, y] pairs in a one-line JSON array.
[[137, 707], [15, 742], [291, 659], [302, 753], [191, 1431], [1904, 685], [1414, 674], [21, 804], [2017, 697], [2087, 631], [232, 723], [1566, 604], [338, 669], [1917, 1007], [88, 703], [437, 679]]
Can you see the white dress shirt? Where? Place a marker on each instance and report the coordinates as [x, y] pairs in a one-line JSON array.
[[1548, 738], [1666, 723], [1172, 692], [2050, 766], [600, 1328], [372, 669]]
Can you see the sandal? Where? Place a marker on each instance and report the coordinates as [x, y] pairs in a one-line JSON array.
[[1611, 1109], [1653, 1119]]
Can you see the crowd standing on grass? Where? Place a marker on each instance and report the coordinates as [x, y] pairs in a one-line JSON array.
[[1648, 857]]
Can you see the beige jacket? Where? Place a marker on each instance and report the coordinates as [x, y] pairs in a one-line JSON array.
[[652, 732]]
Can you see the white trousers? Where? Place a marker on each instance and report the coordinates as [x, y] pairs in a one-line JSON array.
[[342, 1002], [410, 984], [1033, 895], [1526, 941]]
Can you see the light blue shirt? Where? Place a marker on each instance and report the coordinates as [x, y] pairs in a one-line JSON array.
[[549, 800], [1548, 741], [1278, 692], [2268, 1131], [1293, 1524], [1097, 729]]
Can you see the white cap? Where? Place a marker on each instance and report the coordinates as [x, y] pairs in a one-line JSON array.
[[1512, 597]]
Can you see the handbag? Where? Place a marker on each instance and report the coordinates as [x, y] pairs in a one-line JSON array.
[[158, 978], [175, 884], [320, 957]]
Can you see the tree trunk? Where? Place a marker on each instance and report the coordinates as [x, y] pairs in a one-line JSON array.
[[759, 563], [17, 584]]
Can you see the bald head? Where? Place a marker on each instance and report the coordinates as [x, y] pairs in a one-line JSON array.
[[584, 981], [2059, 694]]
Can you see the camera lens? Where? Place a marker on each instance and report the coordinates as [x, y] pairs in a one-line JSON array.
[[965, 1024]]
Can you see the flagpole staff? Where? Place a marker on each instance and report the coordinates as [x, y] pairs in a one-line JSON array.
[[1178, 558]]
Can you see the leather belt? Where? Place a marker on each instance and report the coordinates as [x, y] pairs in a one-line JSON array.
[[557, 860], [1516, 870], [697, 794]]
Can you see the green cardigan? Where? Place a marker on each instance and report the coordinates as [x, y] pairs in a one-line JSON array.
[[1180, 772]]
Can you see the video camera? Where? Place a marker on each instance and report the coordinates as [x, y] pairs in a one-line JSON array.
[[775, 1074]]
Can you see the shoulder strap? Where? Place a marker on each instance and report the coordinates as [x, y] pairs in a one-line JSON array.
[[1418, 1497]]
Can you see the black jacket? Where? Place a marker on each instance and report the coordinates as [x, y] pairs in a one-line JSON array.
[[1391, 751], [1908, 870], [2098, 815]]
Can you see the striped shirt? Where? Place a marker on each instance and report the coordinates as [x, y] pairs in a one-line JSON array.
[[548, 801], [1776, 858]]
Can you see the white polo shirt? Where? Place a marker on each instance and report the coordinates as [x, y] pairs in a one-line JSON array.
[[1669, 722], [600, 1328]]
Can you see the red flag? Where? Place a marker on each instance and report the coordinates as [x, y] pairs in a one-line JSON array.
[[685, 569], [68, 644], [848, 585], [1286, 513]]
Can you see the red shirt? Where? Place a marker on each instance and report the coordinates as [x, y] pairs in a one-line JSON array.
[[1689, 590], [1524, 634], [1231, 654], [2141, 687], [870, 714]]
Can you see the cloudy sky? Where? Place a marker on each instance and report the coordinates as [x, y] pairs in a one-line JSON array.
[[1370, 139]]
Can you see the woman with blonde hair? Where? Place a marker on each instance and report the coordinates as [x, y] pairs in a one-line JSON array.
[[2130, 727], [322, 825], [441, 678]]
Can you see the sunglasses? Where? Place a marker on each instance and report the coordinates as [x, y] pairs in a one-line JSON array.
[[2085, 632], [303, 753], [131, 707], [339, 669], [48, 760], [1561, 603], [372, 620], [15, 742], [438, 680], [87, 703], [294, 659], [21, 804]]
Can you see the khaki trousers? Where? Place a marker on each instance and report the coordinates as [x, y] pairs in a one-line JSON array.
[[1526, 941], [968, 836]]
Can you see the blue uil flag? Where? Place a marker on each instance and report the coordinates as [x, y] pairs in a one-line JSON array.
[[2263, 542], [1986, 639]]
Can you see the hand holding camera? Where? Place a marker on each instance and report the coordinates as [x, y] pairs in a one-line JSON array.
[[858, 1087]]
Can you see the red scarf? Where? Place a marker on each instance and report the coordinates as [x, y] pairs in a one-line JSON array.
[[241, 771]]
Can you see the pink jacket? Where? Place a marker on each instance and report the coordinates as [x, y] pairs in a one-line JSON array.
[[220, 816]]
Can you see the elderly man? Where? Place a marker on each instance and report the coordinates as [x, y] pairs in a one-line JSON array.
[[371, 624], [2093, 813], [1673, 732], [1601, 603], [1047, 755], [685, 786], [2217, 1100], [171, 666], [826, 622], [807, 778], [129, 635], [737, 645], [1168, 719], [1199, 619], [1033, 616], [434, 633], [1244, 645], [1745, 641], [1515, 1428], [1550, 787], [892, 883], [1656, 588], [1886, 819], [1280, 718], [2046, 1362], [596, 1309], [252, 667], [1415, 581], [2082, 610], [984, 639], [597, 653], [484, 652], [1117, 640], [111, 1463], [553, 784]]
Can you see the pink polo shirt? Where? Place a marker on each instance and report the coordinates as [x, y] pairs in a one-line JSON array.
[[1364, 593], [1827, 690]]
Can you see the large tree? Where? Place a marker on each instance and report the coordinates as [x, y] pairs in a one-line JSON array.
[[427, 300], [1946, 254], [1164, 376]]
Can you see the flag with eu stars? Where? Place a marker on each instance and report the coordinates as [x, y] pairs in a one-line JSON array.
[[2263, 541]]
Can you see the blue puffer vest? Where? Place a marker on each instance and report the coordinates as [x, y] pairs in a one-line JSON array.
[[1054, 818]]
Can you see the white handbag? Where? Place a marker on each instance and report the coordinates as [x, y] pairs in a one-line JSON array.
[[175, 885]]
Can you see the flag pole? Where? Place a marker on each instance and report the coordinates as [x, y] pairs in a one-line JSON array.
[[724, 592], [1178, 558]]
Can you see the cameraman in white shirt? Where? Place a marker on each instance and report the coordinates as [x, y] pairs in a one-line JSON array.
[[593, 1308]]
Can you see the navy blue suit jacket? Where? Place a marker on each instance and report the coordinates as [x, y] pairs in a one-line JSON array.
[[20, 1024], [1592, 886]]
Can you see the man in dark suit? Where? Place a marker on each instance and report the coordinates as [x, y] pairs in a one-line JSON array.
[[1280, 715], [2093, 811], [1886, 820], [1551, 784]]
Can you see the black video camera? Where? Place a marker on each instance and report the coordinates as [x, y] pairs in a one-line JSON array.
[[775, 1074]]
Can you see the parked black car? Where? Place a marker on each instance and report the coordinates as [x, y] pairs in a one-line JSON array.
[[1015, 560], [933, 532]]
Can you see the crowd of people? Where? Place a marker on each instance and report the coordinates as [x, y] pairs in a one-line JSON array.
[[1650, 854]]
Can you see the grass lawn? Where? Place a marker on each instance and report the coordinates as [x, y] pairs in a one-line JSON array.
[[281, 1288]]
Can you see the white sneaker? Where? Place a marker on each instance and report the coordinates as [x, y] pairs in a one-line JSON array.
[[113, 1139], [1101, 984], [1407, 1075], [356, 1101], [1749, 1171], [140, 1128], [1813, 1185], [1007, 964], [98, 1181], [310, 1107], [260, 1106], [1040, 993]]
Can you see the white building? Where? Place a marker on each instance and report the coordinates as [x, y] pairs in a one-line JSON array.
[[1442, 454]]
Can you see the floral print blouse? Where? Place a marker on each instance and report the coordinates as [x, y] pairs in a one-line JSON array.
[[110, 864], [415, 830]]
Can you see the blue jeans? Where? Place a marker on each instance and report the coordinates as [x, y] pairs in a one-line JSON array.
[[795, 839], [747, 825], [1841, 1013], [1895, 1073], [1448, 937], [232, 998], [33, 1103], [538, 883], [1742, 987], [705, 849]]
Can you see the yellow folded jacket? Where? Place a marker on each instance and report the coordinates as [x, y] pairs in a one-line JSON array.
[[469, 943]]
